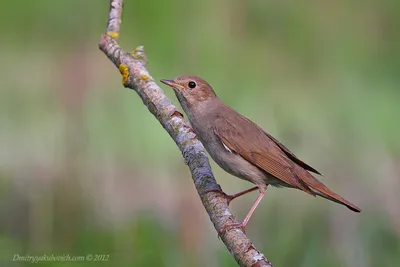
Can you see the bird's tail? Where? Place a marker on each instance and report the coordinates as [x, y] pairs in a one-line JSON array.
[[338, 199], [320, 189]]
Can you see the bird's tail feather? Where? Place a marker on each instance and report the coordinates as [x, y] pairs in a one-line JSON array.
[[321, 190], [340, 200]]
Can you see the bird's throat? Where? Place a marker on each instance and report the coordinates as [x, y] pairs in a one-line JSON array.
[[184, 103]]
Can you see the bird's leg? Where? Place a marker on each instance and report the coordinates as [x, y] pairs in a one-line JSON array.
[[233, 196], [241, 193], [243, 224]]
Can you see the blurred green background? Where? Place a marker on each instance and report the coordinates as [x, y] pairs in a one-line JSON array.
[[86, 169]]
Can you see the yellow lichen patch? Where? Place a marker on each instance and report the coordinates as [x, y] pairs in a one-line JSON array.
[[113, 34], [144, 77], [125, 73]]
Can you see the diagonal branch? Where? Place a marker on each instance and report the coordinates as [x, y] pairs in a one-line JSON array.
[[135, 76]]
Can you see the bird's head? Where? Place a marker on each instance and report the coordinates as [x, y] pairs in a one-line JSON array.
[[190, 90]]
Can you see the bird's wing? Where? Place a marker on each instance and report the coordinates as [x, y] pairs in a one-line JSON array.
[[292, 156], [245, 138], [250, 142]]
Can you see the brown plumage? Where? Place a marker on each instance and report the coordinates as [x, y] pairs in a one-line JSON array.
[[242, 148], [267, 153]]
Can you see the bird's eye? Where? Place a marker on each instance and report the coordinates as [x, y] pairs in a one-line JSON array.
[[192, 84]]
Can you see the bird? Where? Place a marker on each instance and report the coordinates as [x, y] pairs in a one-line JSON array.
[[243, 149]]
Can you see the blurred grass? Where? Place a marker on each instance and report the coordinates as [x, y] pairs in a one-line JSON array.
[[85, 168]]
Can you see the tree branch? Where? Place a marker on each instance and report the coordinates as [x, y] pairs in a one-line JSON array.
[[135, 76]]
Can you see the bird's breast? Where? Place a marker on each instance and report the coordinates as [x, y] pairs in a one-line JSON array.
[[227, 159]]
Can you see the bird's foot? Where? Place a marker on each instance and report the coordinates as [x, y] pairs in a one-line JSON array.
[[230, 226], [228, 198]]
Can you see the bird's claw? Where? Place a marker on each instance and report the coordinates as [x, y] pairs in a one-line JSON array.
[[228, 198], [218, 191], [230, 226]]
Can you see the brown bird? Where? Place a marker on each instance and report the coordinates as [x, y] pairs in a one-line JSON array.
[[242, 148]]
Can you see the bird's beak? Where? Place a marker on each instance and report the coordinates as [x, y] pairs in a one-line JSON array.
[[171, 83], [167, 82]]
